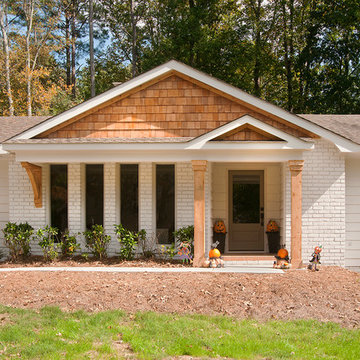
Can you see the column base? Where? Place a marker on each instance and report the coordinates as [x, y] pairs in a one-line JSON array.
[[198, 262], [296, 264]]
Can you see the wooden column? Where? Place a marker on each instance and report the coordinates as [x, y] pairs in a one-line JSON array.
[[35, 175], [296, 167], [199, 167]]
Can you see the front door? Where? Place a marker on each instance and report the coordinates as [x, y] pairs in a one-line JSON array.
[[246, 210]]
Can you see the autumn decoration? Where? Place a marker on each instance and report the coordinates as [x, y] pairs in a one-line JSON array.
[[219, 227]]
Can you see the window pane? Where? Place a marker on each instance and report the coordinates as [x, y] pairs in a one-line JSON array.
[[165, 203], [246, 199], [94, 195], [59, 203], [129, 193]]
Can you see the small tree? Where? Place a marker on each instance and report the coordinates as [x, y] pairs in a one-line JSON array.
[[97, 241], [47, 236], [68, 244], [17, 239], [128, 241]]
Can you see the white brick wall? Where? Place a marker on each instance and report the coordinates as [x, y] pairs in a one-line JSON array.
[[4, 197], [323, 207], [111, 201], [146, 198], [184, 194], [21, 199]]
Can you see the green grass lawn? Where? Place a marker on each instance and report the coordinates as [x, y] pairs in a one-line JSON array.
[[52, 334]]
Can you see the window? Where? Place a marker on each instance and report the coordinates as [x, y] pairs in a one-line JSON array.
[[94, 195], [59, 197], [129, 193], [165, 203]]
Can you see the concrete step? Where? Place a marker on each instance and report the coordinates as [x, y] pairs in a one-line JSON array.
[[248, 259]]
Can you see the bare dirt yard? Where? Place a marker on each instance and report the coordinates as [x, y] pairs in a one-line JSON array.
[[332, 294]]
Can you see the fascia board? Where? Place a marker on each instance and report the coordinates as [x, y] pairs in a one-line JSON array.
[[219, 145], [203, 140], [158, 156]]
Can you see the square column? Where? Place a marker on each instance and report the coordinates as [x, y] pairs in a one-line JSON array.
[[296, 167], [199, 168]]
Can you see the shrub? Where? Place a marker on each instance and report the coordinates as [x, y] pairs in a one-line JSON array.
[[68, 244], [97, 241], [169, 251], [128, 241], [47, 236], [17, 239], [148, 246]]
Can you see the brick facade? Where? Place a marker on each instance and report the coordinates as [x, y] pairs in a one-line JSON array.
[[323, 205]]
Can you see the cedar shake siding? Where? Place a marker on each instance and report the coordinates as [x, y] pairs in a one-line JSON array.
[[171, 107]]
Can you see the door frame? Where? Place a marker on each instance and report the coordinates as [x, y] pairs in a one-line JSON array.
[[229, 202]]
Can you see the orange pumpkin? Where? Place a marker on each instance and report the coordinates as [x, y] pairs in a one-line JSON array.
[[219, 227], [272, 226], [214, 253], [282, 253]]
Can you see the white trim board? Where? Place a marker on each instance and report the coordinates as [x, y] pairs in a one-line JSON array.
[[343, 144], [95, 156]]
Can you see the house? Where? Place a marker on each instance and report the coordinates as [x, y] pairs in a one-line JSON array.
[[174, 147]]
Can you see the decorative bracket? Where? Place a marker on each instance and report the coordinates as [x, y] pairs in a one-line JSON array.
[[35, 175]]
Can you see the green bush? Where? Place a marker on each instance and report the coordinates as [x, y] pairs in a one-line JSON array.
[[48, 237], [97, 241], [17, 239], [68, 244], [128, 241]]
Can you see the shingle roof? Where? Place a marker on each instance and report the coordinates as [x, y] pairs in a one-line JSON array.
[[13, 125], [347, 126]]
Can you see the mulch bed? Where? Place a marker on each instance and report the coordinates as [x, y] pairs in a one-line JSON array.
[[79, 261], [332, 294]]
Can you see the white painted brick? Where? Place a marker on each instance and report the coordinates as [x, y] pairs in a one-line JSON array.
[[323, 207]]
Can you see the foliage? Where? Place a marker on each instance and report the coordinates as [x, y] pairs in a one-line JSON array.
[[168, 251], [97, 241], [158, 336], [68, 244], [128, 241], [17, 239], [48, 237], [301, 55], [184, 237]]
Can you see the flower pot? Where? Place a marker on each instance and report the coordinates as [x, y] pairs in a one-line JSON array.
[[273, 241], [220, 237]]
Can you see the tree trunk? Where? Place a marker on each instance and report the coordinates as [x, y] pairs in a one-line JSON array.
[[73, 48], [133, 40], [67, 49], [29, 13], [287, 60], [91, 40], [4, 29], [256, 73]]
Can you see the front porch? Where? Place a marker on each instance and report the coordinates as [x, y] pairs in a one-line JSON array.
[[201, 195]]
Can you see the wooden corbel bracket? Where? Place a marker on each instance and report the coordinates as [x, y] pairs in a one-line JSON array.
[[35, 175]]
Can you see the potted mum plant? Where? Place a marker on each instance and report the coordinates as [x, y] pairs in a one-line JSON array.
[[273, 235]]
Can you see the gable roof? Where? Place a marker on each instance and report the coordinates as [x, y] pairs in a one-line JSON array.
[[347, 126], [13, 125], [344, 143]]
